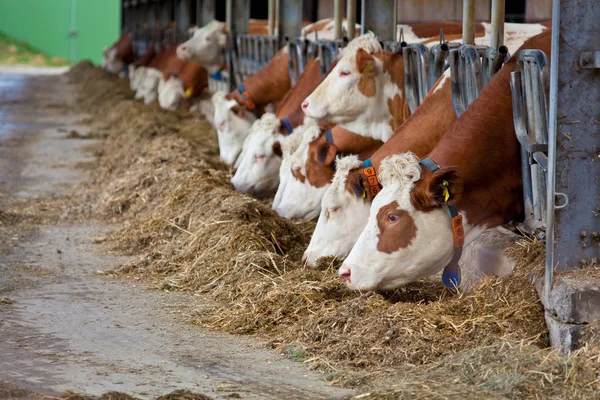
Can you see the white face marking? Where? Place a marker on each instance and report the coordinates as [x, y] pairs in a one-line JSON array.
[[343, 217], [338, 99], [110, 62], [148, 89], [258, 170], [170, 93], [295, 199], [232, 129], [205, 47]]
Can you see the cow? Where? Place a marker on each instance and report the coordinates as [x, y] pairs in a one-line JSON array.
[[119, 55], [181, 81], [260, 160], [429, 209], [137, 69], [346, 203]]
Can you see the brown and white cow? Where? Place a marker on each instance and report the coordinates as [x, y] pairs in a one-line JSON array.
[[182, 84], [409, 234]]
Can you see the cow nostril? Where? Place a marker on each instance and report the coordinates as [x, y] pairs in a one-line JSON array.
[[305, 104], [344, 273]]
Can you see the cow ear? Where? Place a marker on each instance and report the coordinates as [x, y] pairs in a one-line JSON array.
[[277, 149], [326, 153], [355, 184], [365, 62], [442, 187]]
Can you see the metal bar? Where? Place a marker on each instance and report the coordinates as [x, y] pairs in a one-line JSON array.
[[551, 184], [206, 11], [272, 16], [468, 21], [380, 16], [338, 11], [290, 20], [497, 33], [351, 19]]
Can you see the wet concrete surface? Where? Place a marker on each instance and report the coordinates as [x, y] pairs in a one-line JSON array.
[[72, 328]]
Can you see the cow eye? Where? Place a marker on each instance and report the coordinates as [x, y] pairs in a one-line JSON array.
[[345, 73], [259, 158], [392, 218], [332, 210], [296, 168]]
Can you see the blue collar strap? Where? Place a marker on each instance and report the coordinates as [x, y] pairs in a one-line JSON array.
[[451, 275], [287, 125], [248, 103], [372, 181], [217, 76], [329, 136]]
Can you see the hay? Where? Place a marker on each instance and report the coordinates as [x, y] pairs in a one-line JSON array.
[[176, 395], [158, 175]]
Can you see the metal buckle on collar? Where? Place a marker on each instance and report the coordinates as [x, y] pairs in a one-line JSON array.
[[451, 276], [372, 181]]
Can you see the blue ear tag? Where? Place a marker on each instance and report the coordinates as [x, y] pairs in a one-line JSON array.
[[126, 69], [451, 275], [217, 76]]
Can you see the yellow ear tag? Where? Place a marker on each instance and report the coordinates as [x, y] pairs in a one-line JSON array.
[[188, 92], [363, 195], [445, 190], [368, 68]]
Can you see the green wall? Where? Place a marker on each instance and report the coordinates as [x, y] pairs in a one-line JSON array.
[[45, 25]]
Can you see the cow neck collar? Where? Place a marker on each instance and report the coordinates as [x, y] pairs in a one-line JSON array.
[[247, 100], [329, 138], [451, 275], [372, 182], [285, 122]]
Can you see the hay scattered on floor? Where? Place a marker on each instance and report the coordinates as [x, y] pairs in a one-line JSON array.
[[158, 174], [176, 395]]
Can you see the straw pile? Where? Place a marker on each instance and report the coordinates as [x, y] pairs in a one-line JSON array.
[[158, 174]]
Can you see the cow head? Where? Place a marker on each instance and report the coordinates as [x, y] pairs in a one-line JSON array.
[[258, 170], [233, 123], [110, 61], [136, 77], [408, 235], [148, 89], [299, 198], [289, 147], [343, 214], [170, 93], [205, 47], [359, 94]]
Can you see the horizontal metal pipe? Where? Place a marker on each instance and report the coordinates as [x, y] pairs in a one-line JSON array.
[[499, 59]]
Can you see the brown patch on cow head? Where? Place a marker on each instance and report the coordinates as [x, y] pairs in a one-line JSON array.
[[320, 162], [396, 228], [400, 111], [366, 67], [429, 193]]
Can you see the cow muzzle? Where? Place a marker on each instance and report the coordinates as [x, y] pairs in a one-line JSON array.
[[314, 109]]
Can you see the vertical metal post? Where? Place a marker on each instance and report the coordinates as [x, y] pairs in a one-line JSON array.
[[497, 33], [182, 14], [206, 12], [272, 16], [338, 11], [468, 21], [380, 17], [351, 18], [238, 16], [290, 20], [574, 94]]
